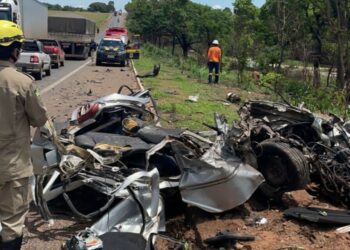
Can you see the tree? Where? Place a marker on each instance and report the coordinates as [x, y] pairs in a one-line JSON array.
[[98, 7], [245, 22], [110, 6]]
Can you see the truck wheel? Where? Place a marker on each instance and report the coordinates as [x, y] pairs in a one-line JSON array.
[[39, 75], [285, 168], [98, 63], [48, 71], [122, 63], [62, 63]]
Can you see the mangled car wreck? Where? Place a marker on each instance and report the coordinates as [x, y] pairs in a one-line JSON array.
[[113, 155], [110, 163], [292, 146]]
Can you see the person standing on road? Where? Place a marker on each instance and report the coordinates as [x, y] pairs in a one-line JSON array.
[[93, 48], [214, 60], [20, 108]]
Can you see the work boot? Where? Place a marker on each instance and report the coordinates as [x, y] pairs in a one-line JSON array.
[[216, 79], [210, 79], [12, 245]]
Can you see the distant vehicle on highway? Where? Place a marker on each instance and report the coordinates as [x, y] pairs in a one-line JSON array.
[[33, 60], [54, 49], [111, 50], [74, 33], [119, 33]]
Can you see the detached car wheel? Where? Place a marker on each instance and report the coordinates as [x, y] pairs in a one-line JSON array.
[[285, 168]]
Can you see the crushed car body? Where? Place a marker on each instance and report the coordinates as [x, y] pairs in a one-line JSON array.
[[112, 151], [291, 146]]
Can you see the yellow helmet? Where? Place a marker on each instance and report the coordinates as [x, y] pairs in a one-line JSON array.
[[10, 33]]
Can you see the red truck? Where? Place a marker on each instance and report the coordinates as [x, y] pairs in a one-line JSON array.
[[53, 48]]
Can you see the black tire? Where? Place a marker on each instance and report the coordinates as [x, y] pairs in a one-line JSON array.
[[57, 65], [48, 71], [98, 63], [39, 75], [122, 63], [62, 63], [285, 168]]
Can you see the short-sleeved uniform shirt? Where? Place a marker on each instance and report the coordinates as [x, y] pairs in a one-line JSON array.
[[20, 108]]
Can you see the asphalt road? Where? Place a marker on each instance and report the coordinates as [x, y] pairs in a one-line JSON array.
[[72, 65]]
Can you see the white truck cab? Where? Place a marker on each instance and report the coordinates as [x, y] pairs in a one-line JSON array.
[[10, 10]]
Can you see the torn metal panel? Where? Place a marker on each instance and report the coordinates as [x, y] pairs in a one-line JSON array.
[[218, 171]]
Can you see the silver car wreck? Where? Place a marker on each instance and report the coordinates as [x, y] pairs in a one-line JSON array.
[[113, 150]]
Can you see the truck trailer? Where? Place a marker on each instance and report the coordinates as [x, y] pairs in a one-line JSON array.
[[75, 34], [30, 15]]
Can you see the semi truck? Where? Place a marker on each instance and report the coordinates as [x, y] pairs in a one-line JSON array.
[[30, 15], [75, 34]]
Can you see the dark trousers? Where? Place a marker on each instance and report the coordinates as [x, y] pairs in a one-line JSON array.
[[213, 66]]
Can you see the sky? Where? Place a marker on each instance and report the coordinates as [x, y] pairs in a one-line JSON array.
[[120, 3]]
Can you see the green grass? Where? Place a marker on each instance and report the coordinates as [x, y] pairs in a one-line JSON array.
[[171, 89], [100, 18], [188, 77]]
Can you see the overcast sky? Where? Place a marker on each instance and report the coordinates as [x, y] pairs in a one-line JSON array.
[[120, 3]]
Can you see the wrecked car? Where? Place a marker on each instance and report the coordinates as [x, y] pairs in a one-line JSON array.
[[113, 150], [292, 146]]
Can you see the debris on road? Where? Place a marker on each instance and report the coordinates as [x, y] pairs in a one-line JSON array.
[[154, 73], [233, 98], [193, 98], [225, 239], [319, 215]]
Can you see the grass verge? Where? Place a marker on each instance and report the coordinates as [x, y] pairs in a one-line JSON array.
[[172, 87]]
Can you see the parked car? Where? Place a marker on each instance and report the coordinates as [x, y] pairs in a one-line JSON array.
[[33, 60], [54, 49], [111, 50]]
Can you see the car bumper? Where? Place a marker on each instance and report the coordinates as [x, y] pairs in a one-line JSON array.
[[54, 59], [28, 67], [110, 58]]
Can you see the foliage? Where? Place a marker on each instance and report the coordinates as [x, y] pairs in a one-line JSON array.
[[101, 7], [188, 24], [93, 7], [310, 35], [63, 8]]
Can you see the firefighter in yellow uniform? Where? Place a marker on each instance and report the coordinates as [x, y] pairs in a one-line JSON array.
[[20, 108]]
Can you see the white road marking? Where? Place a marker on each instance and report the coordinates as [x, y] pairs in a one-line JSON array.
[[48, 88]]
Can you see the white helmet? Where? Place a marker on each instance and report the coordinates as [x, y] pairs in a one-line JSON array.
[[215, 42]]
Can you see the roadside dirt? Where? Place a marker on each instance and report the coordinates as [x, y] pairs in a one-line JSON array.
[[278, 233], [87, 85]]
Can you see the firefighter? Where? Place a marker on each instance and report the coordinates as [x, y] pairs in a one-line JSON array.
[[214, 60], [20, 107]]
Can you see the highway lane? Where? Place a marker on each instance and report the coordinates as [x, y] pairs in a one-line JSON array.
[[57, 74], [72, 65]]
